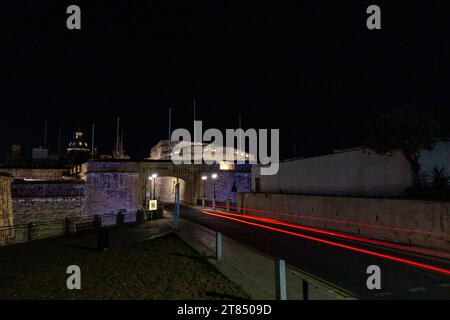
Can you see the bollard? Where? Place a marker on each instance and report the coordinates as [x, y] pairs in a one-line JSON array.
[[120, 219], [203, 202], [98, 221], [214, 204], [140, 216], [67, 225], [177, 205], [218, 246], [103, 239], [30, 231], [305, 289], [280, 279]]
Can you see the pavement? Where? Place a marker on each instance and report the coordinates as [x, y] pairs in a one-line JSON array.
[[332, 264]]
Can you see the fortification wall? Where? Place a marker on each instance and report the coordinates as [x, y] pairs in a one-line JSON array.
[[42, 201]]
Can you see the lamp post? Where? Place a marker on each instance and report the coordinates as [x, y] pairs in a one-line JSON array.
[[204, 178], [214, 177], [154, 176], [149, 196]]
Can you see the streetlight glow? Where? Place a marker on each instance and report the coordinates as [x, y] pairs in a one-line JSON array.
[[204, 177], [214, 176], [154, 176]]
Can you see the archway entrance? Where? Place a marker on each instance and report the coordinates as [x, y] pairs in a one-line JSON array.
[[164, 189]]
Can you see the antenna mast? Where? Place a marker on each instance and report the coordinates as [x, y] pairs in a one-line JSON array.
[[170, 123], [117, 137], [45, 135], [92, 143], [59, 140]]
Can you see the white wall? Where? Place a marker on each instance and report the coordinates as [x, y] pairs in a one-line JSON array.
[[356, 173]]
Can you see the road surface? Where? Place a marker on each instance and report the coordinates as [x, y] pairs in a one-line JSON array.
[[338, 265]]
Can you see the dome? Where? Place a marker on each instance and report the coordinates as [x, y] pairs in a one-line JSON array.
[[77, 144]]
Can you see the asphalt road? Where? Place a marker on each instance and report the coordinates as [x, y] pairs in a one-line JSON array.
[[337, 265]]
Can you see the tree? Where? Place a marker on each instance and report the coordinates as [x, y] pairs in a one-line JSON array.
[[439, 176], [410, 130]]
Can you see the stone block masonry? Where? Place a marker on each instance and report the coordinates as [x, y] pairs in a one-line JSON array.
[[42, 201], [224, 185], [35, 173], [413, 222], [6, 210], [111, 192], [107, 187]]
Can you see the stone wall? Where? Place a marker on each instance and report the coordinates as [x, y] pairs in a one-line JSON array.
[[108, 192], [6, 210], [43, 201], [22, 189], [104, 187], [420, 223], [35, 173], [224, 184]]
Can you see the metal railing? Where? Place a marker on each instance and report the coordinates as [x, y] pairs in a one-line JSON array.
[[70, 225], [275, 276]]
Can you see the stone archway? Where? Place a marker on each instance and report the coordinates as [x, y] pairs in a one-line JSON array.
[[165, 189], [188, 175], [123, 185]]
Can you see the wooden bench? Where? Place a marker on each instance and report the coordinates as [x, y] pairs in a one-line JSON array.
[[86, 226]]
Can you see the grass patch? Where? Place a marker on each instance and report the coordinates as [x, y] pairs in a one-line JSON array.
[[163, 268]]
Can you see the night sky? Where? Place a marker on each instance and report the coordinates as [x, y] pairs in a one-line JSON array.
[[310, 68]]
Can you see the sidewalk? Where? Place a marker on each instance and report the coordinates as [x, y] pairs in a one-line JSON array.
[[248, 268]]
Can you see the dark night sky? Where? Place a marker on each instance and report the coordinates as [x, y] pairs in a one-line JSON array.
[[310, 68]]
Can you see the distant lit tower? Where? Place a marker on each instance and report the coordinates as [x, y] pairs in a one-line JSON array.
[[78, 150]]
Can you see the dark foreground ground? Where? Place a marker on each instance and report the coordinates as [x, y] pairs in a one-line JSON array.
[[162, 268]]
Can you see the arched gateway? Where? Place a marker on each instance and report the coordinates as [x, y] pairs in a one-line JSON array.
[[115, 185]]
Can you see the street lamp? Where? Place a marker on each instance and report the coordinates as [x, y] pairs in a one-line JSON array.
[[204, 178], [148, 197], [153, 177], [214, 177]]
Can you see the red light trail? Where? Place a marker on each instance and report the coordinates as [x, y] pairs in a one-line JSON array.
[[341, 235], [334, 221], [339, 245]]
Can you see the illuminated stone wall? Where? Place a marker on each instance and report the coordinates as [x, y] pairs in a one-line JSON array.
[[111, 192], [35, 173], [165, 189], [43, 201], [224, 184], [104, 187], [6, 211]]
